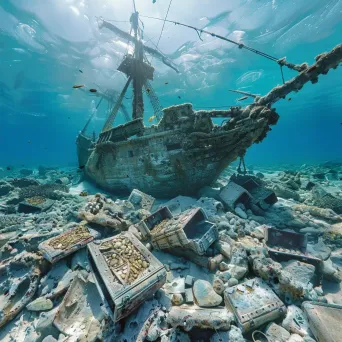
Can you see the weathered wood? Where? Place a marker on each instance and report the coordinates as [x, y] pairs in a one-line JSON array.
[[324, 62]]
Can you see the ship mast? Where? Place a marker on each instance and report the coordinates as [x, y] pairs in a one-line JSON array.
[[137, 76], [138, 73]]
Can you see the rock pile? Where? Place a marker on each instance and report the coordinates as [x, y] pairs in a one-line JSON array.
[[272, 240]]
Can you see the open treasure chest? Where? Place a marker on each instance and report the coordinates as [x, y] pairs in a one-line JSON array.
[[35, 204], [189, 230], [141, 200], [126, 272], [253, 304], [283, 246], [261, 195], [66, 243]]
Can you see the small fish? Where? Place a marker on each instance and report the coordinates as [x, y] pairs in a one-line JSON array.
[[8, 168], [78, 86], [29, 142], [151, 118], [148, 90], [93, 90], [80, 71], [179, 97], [289, 99], [81, 167], [166, 82], [243, 98], [68, 117]]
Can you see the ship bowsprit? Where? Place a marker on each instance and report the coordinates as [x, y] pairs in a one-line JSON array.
[[180, 155]]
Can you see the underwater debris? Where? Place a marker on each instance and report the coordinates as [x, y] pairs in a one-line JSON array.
[[23, 182], [242, 98], [141, 200], [84, 194], [35, 204], [6, 221], [188, 317], [93, 90], [103, 211], [81, 312], [189, 230], [17, 290], [283, 246], [67, 243], [246, 301], [324, 199], [129, 272], [324, 320], [42, 190]]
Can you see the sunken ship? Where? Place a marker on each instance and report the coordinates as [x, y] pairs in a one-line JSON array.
[[185, 150]]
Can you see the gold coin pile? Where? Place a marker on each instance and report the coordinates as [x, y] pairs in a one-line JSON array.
[[124, 259], [66, 241], [159, 227], [36, 200]]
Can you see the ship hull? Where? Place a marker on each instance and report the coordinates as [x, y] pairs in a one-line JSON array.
[[177, 157], [158, 172]]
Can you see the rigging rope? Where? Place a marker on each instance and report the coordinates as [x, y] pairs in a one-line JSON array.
[[162, 30], [167, 13], [282, 62], [240, 45]]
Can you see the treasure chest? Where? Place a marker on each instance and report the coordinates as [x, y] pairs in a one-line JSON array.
[[284, 246], [35, 204], [233, 194], [261, 195], [82, 303], [64, 244], [208, 260], [253, 304], [155, 222], [126, 272], [141, 200], [324, 321], [190, 230]]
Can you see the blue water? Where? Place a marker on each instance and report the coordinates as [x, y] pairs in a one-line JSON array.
[[44, 44]]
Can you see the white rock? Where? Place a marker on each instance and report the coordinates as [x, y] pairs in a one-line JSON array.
[[218, 286], [241, 213], [232, 282], [295, 321], [237, 272], [275, 333], [295, 338], [205, 295], [40, 304], [49, 338]]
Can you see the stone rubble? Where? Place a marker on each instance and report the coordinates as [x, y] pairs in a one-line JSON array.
[[38, 298]]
